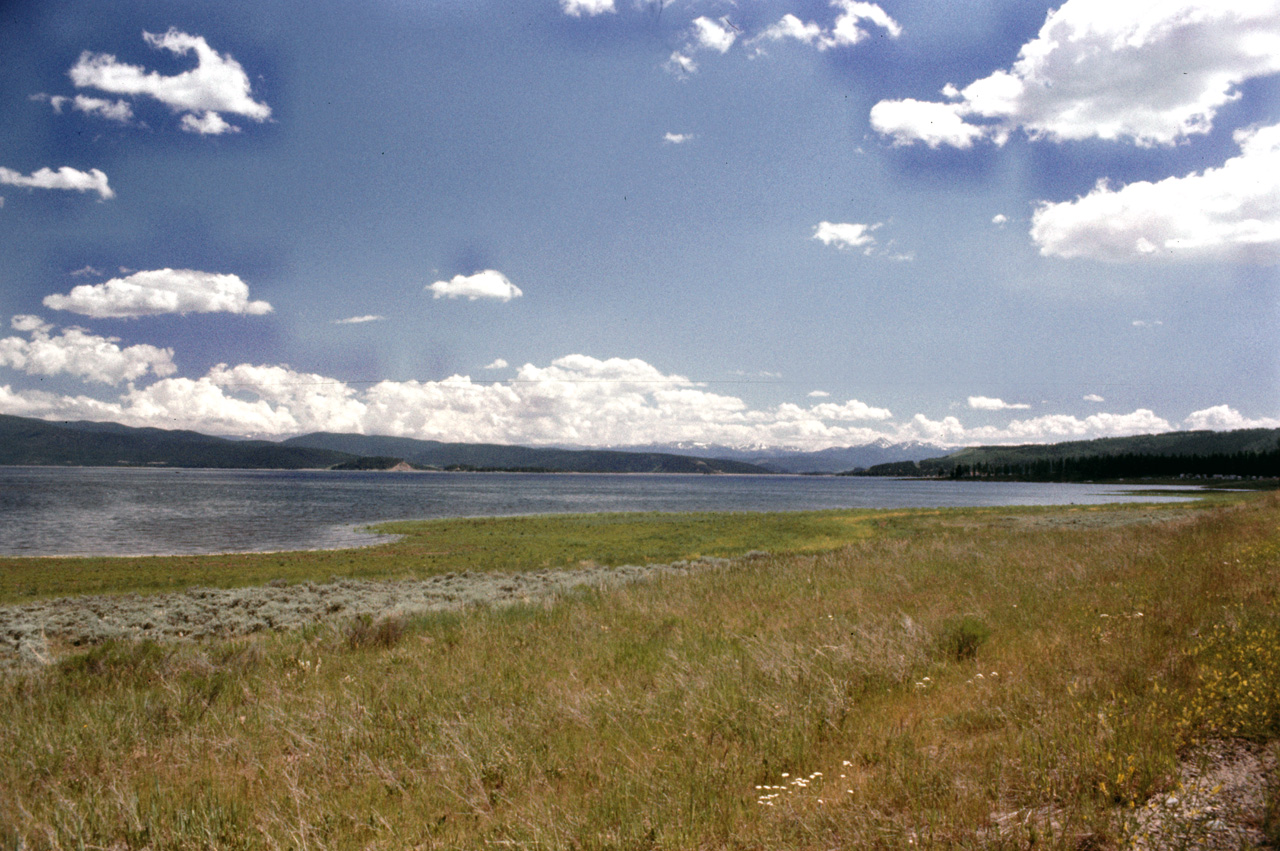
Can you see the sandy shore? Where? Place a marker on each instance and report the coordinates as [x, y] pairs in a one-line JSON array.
[[30, 633]]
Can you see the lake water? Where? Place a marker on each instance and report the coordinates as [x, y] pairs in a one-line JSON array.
[[108, 511]]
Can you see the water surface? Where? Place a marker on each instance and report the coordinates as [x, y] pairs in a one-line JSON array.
[[130, 511]]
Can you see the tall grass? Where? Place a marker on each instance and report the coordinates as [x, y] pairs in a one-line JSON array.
[[811, 700]]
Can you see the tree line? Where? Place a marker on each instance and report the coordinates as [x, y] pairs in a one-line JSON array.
[[1131, 465]]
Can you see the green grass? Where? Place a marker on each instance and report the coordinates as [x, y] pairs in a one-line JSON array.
[[433, 547], [442, 546], [960, 679]]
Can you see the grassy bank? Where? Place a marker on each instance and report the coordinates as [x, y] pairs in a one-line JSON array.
[[982, 678], [435, 547]]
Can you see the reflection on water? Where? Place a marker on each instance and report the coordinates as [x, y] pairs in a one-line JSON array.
[[105, 511]]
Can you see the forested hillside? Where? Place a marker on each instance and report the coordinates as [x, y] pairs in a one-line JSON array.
[[1245, 453]]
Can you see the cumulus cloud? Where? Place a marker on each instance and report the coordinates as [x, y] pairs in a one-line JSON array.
[[208, 123], [677, 138], [150, 293], [846, 235], [910, 120], [1229, 212], [1094, 397], [999, 219], [986, 403], [497, 363], [78, 353], [1046, 429], [1152, 73], [680, 64], [487, 284], [791, 27], [1225, 418], [713, 35], [575, 399], [64, 178], [849, 27], [578, 8], [818, 394], [849, 411], [217, 85], [113, 110]]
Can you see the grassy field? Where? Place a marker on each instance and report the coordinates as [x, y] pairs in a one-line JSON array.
[[1005, 678], [433, 547]]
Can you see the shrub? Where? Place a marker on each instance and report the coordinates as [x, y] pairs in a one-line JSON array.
[[365, 631], [1239, 667], [961, 637]]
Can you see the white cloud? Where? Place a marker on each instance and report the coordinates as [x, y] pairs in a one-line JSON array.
[[497, 363], [713, 35], [578, 8], [791, 27], [487, 284], [1094, 397], [678, 63], [575, 399], [359, 320], [27, 324], [935, 124], [848, 28], [999, 219], [986, 403], [1152, 73], [851, 410], [677, 138], [818, 394], [64, 178], [1224, 418], [112, 110], [846, 235], [208, 123], [78, 353], [1230, 212], [55, 101], [1046, 429], [218, 84], [160, 291]]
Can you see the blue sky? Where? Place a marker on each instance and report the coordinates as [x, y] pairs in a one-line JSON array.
[[795, 224]]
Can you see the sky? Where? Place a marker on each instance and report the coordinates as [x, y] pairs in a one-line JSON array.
[[795, 224]]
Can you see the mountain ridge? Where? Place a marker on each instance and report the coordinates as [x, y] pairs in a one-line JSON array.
[[34, 442], [435, 453]]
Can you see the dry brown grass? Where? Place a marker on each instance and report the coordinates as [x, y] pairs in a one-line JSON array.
[[801, 701]]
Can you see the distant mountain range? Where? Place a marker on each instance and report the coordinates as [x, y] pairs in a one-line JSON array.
[[491, 456], [38, 442], [89, 444], [86, 444], [835, 460]]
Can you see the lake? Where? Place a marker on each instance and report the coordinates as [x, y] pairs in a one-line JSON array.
[[127, 511]]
